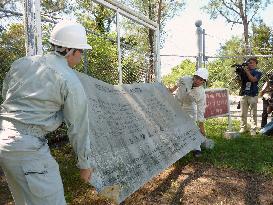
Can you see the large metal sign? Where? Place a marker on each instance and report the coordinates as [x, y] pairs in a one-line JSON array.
[[137, 131]]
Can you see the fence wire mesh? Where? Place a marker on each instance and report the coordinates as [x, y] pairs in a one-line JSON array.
[[102, 62]]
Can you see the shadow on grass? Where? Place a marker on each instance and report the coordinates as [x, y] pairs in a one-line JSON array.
[[253, 190], [166, 183], [177, 199]]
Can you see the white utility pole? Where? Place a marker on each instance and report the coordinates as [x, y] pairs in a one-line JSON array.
[[199, 33], [32, 21]]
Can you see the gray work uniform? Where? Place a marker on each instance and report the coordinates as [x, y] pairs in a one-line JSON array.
[[192, 99], [39, 93]]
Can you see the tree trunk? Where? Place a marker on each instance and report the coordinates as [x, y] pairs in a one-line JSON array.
[[151, 45], [151, 70], [245, 24]]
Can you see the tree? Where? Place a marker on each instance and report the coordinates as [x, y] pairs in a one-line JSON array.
[[185, 68], [49, 8], [237, 12], [262, 43], [262, 39], [136, 44], [159, 11]]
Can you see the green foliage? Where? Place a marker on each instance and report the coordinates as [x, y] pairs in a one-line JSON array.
[[262, 40], [12, 44], [233, 47], [262, 43], [52, 6], [133, 68], [103, 59], [221, 74], [98, 17], [185, 68]]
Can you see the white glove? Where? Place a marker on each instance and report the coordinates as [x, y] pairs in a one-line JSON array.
[[208, 143]]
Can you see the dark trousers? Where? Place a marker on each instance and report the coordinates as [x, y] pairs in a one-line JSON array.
[[264, 114]]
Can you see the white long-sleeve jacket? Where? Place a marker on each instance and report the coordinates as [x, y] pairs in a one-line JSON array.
[[192, 99], [43, 91]]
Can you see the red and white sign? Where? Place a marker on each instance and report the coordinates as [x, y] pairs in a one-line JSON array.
[[217, 103]]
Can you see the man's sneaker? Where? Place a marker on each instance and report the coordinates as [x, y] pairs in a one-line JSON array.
[[197, 153]]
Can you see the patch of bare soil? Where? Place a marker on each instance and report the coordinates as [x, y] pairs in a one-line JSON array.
[[195, 183], [5, 197]]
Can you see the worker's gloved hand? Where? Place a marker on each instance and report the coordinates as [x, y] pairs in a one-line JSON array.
[[86, 174], [208, 143], [202, 130]]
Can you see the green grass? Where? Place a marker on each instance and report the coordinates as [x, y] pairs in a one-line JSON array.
[[245, 153], [76, 191]]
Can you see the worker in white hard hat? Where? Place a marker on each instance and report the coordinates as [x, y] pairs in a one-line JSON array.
[[39, 93], [191, 95]]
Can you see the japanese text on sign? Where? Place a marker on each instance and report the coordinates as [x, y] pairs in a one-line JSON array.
[[217, 103]]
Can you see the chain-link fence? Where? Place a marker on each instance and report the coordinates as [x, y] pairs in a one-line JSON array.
[[122, 49]]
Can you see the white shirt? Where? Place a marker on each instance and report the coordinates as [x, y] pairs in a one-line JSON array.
[[192, 99], [268, 91], [44, 91]]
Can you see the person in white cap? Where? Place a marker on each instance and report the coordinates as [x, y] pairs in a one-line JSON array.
[[191, 95], [39, 93]]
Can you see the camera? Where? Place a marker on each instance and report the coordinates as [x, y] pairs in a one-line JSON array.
[[239, 68], [241, 77]]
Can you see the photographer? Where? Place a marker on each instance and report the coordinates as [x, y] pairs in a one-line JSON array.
[[249, 92], [267, 94]]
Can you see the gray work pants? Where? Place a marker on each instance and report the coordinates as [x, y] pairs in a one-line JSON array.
[[33, 177], [246, 103]]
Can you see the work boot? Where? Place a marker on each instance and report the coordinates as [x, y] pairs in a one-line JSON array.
[[197, 153]]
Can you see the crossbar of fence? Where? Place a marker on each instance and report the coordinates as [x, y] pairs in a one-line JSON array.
[[219, 57]]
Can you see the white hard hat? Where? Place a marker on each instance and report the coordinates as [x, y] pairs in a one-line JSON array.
[[69, 34], [203, 73]]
